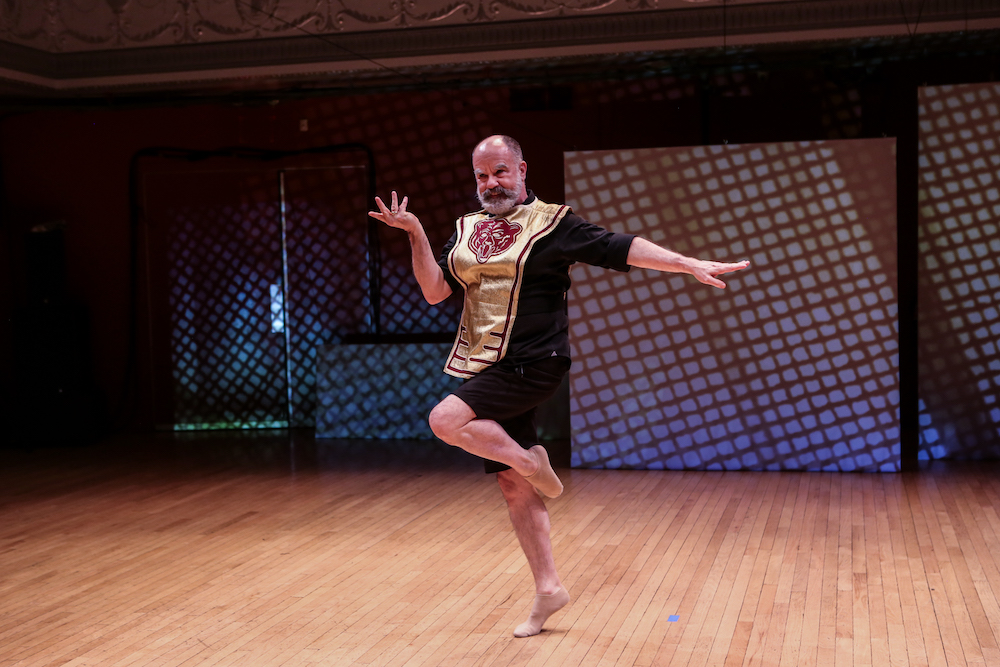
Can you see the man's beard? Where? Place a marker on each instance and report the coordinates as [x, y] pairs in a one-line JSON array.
[[500, 199]]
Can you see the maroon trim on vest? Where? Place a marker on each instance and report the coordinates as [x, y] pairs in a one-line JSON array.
[[455, 355], [513, 289], [451, 255]]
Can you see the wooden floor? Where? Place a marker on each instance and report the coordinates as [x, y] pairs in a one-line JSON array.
[[234, 550]]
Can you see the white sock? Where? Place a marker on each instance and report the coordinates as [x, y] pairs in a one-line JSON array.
[[543, 607]]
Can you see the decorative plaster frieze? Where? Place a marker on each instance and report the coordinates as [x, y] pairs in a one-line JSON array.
[[71, 26], [66, 44]]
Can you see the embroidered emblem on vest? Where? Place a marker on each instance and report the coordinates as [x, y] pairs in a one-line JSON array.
[[493, 237]]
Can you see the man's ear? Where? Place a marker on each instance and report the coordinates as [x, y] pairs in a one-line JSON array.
[[523, 167]]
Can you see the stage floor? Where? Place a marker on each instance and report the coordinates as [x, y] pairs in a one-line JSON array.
[[274, 549]]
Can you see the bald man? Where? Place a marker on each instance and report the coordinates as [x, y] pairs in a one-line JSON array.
[[511, 259]]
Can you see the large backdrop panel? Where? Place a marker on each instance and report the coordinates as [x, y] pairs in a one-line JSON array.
[[795, 365], [959, 289]]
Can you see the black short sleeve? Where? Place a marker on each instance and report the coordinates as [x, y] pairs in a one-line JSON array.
[[582, 241], [443, 263]]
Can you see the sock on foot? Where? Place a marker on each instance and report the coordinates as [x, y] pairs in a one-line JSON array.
[[543, 607], [544, 479]]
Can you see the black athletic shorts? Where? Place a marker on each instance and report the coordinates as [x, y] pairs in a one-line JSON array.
[[509, 394]]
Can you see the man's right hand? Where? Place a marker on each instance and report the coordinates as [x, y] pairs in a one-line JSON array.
[[396, 214], [429, 275]]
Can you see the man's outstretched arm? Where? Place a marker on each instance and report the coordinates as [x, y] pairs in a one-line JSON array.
[[644, 254], [429, 275]]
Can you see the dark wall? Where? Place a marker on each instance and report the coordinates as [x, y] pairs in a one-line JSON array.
[[73, 165]]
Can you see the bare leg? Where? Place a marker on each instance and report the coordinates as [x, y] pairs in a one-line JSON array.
[[455, 422], [531, 525]]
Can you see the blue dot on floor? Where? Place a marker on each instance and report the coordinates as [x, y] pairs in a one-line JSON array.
[[673, 618]]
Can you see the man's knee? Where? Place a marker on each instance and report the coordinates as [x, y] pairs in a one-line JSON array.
[[440, 423], [515, 489], [448, 416]]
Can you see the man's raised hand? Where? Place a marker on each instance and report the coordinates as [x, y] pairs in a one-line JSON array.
[[706, 272], [395, 215]]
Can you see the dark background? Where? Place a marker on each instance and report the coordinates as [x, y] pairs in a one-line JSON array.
[[69, 161]]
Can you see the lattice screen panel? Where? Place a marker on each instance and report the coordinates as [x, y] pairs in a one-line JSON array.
[[228, 365], [327, 223], [795, 365], [959, 289], [217, 251], [380, 391], [404, 310]]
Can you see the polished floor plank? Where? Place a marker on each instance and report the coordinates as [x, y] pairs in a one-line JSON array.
[[232, 549]]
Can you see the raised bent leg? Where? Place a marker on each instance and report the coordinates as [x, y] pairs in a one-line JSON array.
[[531, 525], [455, 422]]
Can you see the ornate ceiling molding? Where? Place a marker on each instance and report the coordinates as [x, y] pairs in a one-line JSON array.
[[72, 25], [148, 44]]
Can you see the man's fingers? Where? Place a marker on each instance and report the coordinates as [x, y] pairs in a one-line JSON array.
[[396, 216], [383, 214], [716, 268], [730, 267]]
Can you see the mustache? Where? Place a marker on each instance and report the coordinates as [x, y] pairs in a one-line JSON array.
[[499, 199], [499, 191]]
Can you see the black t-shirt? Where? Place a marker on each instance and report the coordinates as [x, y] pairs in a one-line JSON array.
[[541, 327]]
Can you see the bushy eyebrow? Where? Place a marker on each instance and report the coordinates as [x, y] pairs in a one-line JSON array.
[[499, 166]]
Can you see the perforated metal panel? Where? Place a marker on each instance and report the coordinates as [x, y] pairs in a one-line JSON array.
[[795, 365]]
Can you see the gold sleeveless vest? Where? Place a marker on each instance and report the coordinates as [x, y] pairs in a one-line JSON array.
[[488, 259]]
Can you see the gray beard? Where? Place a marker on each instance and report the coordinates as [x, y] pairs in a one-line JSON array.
[[503, 201]]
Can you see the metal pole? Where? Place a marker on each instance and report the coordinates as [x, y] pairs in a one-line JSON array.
[[284, 298]]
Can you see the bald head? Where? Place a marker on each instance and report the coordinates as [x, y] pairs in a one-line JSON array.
[[499, 142], [500, 171]]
